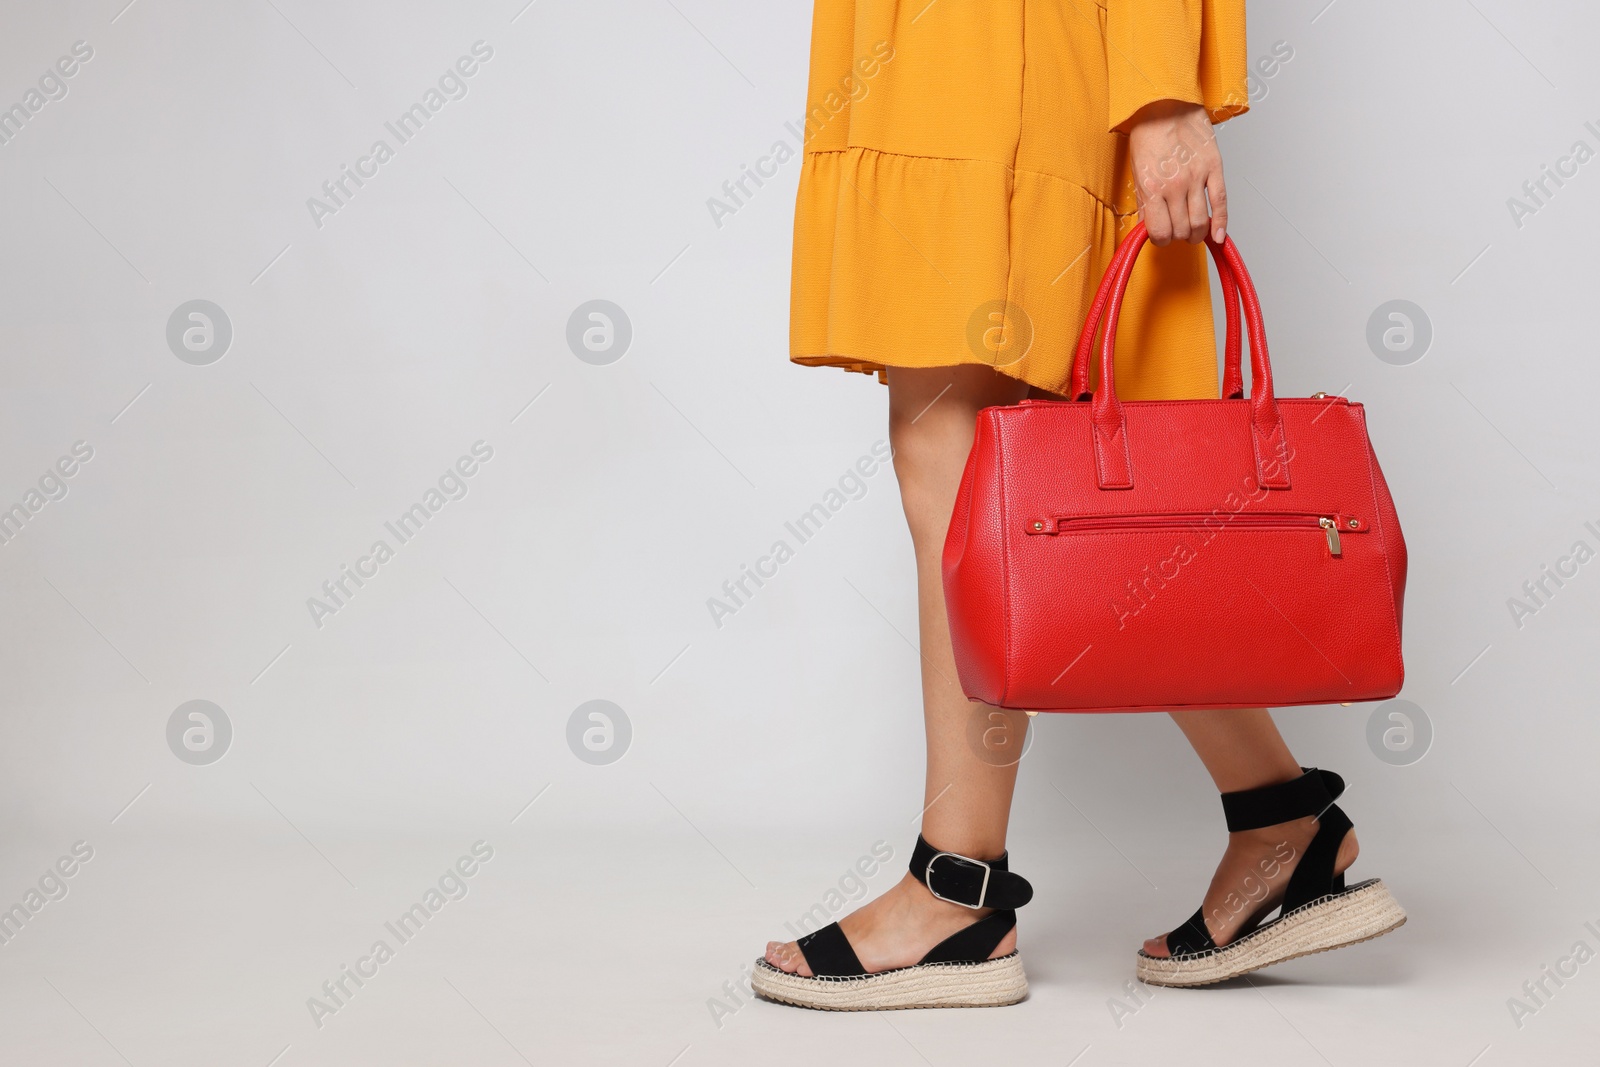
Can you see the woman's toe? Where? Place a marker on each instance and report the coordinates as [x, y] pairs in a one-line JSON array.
[[786, 956], [1157, 947]]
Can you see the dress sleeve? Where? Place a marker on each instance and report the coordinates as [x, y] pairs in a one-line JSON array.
[[1190, 50]]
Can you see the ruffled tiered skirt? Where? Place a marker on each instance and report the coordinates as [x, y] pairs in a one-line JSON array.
[[966, 181]]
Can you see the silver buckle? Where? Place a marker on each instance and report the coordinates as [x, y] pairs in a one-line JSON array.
[[983, 890]]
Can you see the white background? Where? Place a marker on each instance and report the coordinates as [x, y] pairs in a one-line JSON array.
[[370, 352]]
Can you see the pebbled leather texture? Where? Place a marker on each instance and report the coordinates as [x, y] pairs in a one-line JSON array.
[[1158, 555]]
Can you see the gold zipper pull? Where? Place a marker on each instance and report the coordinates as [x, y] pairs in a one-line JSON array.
[[1331, 528]]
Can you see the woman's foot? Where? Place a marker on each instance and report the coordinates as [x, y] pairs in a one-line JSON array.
[[1251, 879], [895, 930], [916, 946], [1289, 846]]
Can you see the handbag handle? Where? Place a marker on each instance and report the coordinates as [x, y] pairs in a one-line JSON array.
[[1113, 465], [1232, 375]]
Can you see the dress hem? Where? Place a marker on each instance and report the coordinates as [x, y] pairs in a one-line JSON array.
[[935, 262]]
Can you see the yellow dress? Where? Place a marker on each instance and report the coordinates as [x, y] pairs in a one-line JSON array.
[[965, 181]]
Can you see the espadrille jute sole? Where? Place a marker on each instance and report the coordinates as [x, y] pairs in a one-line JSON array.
[[989, 984], [1357, 914]]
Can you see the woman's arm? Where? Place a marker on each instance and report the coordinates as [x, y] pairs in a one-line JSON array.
[[1176, 166], [1175, 67]]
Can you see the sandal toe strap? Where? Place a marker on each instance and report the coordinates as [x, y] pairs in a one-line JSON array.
[[829, 955], [1191, 937]]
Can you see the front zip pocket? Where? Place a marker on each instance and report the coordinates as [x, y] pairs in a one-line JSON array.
[[1331, 524]]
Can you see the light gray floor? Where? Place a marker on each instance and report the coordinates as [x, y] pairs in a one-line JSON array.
[[608, 946]]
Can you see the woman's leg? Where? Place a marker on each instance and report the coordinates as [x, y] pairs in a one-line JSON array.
[[1242, 749], [967, 799]]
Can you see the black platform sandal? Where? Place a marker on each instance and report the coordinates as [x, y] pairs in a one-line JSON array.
[[1318, 912], [956, 973]]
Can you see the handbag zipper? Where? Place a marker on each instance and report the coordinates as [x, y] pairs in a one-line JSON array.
[[1331, 524]]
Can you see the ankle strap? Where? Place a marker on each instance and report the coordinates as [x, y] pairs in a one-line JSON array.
[[972, 883], [1309, 794]]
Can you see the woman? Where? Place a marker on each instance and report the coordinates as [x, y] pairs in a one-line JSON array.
[[969, 169]]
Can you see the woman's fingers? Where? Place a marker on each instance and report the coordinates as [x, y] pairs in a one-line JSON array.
[[1179, 213], [1217, 191], [1157, 219], [1177, 166], [1199, 220], [1178, 208]]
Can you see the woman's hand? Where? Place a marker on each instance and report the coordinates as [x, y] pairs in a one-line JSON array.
[[1176, 164]]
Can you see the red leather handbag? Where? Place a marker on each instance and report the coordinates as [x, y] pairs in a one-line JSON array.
[[1165, 554]]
